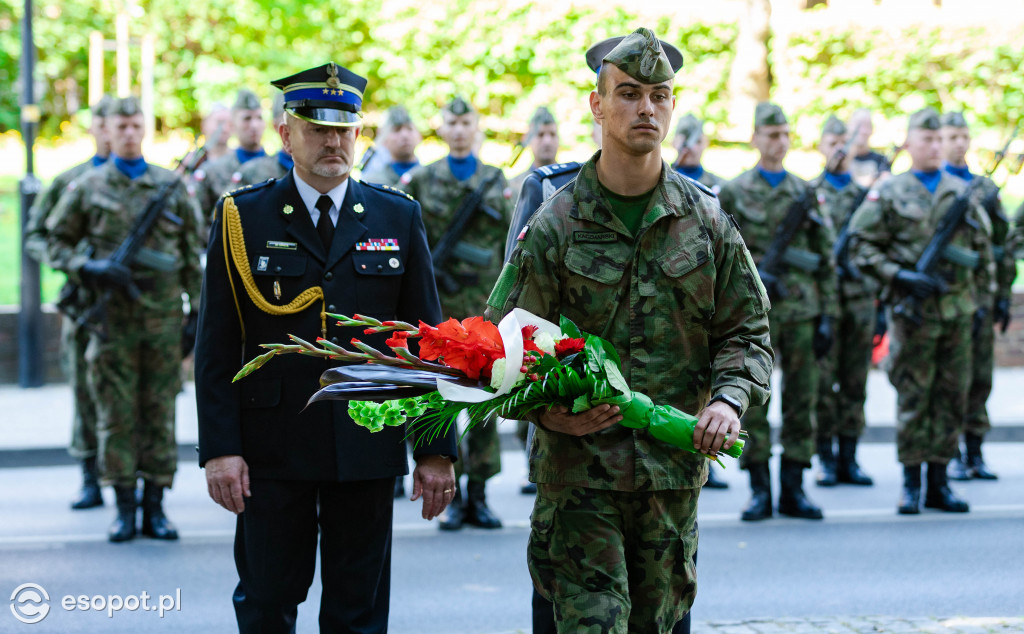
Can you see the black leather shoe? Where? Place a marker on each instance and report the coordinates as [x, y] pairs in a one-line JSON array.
[[910, 496], [792, 499], [123, 529], [827, 463], [760, 505], [957, 470], [90, 496], [713, 481], [847, 469], [976, 467], [939, 495], [477, 512], [454, 513], [154, 523]]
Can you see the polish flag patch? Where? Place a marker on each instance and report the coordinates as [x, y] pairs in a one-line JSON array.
[[522, 234], [873, 195]]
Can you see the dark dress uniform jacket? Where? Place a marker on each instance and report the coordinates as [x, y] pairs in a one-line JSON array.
[[261, 417]]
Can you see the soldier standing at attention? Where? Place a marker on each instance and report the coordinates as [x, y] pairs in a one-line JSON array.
[[134, 371], [930, 316], [690, 142], [844, 370], [265, 167], [542, 137], [801, 323], [74, 339], [956, 140], [466, 279], [218, 176], [400, 137], [636, 251]]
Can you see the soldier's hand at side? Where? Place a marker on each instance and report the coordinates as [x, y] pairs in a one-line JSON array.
[[434, 480], [717, 429], [227, 480], [558, 418]]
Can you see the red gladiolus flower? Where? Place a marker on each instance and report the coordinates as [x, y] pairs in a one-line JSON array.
[[470, 346], [529, 332], [398, 340], [567, 346]]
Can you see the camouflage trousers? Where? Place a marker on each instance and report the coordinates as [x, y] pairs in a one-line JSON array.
[[976, 420], [74, 342], [843, 373], [794, 356], [930, 367], [480, 452], [614, 561], [134, 378]]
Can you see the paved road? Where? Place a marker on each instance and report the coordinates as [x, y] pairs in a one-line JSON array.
[[863, 568]]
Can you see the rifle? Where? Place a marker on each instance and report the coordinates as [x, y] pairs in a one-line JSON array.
[[451, 245], [991, 201]]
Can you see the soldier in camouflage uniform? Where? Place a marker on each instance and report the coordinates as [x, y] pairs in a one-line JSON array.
[[74, 339], [956, 139], [844, 370], [267, 167], [690, 143], [801, 323], [931, 316], [542, 138], [469, 276], [220, 175], [1015, 239], [400, 137], [134, 372], [645, 257]]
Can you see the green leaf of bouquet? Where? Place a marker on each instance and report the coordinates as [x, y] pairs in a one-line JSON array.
[[568, 328]]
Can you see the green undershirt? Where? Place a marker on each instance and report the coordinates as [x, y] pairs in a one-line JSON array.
[[629, 209]]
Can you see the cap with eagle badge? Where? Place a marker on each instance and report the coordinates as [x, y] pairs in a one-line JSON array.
[[766, 113], [247, 100], [328, 95], [833, 125], [953, 120], [924, 119], [641, 40], [459, 106]]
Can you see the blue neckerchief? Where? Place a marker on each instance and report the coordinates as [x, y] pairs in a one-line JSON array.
[[462, 168], [839, 181], [773, 178], [285, 160], [691, 171], [132, 168], [961, 172], [244, 156], [930, 180], [401, 167], [98, 160]]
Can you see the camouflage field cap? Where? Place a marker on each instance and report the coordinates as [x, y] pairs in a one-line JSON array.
[[102, 107], [396, 117], [459, 106], [953, 120], [924, 119], [767, 113], [541, 116], [833, 125], [247, 100], [125, 107], [328, 95], [689, 126], [641, 56], [597, 53], [277, 107]]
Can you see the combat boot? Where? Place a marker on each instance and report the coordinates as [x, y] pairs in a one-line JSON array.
[[827, 463], [477, 512], [154, 523], [123, 528], [760, 505], [454, 514], [939, 495], [910, 497], [792, 499], [975, 464], [90, 495], [847, 469], [957, 470], [713, 481]]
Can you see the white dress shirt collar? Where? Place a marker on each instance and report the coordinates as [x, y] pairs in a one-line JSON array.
[[310, 195]]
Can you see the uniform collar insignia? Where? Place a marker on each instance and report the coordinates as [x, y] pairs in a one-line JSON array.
[[288, 209], [358, 208]]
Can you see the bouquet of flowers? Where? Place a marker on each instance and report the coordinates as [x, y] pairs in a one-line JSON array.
[[523, 364]]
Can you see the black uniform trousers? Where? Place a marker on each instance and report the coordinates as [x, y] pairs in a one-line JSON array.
[[276, 546]]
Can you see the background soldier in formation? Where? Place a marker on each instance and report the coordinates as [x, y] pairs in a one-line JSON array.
[[444, 189], [542, 139], [867, 166], [844, 370], [690, 143], [265, 167], [400, 137], [801, 328], [956, 140], [216, 128], [932, 315], [74, 339], [134, 362]]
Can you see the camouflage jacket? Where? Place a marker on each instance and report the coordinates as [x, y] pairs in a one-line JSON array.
[[986, 194], [98, 211], [1015, 239], [713, 182], [384, 175], [681, 303], [476, 269], [258, 170], [35, 228], [891, 229], [760, 209], [211, 181], [836, 206]]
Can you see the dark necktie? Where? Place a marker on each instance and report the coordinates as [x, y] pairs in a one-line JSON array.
[[324, 226]]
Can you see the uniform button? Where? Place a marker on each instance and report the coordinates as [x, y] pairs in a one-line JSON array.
[[331, 308], [328, 276], [252, 400], [380, 267], [334, 340], [277, 269]]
